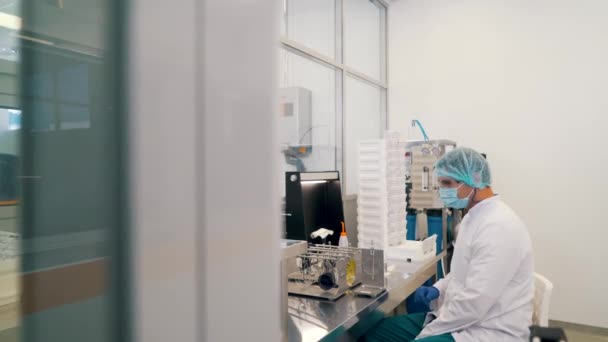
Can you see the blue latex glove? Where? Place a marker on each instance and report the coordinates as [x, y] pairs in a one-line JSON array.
[[425, 295]]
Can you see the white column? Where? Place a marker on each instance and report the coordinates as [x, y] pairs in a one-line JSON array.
[[204, 196], [163, 154], [238, 46]]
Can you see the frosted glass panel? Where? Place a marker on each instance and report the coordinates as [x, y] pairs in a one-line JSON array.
[[362, 32], [73, 163], [312, 24], [361, 122]]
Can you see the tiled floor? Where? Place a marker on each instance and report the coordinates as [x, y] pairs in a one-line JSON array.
[[9, 335], [576, 336], [582, 333]]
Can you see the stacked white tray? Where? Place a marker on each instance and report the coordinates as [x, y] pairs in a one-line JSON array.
[[381, 200]]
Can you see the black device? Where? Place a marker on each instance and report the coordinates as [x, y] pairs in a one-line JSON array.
[[313, 200], [545, 334]]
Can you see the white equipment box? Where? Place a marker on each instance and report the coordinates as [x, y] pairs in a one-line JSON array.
[[296, 116]]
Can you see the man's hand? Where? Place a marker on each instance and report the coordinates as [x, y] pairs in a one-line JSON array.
[[425, 295]]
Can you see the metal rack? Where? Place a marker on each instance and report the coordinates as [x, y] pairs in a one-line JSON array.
[[326, 272]]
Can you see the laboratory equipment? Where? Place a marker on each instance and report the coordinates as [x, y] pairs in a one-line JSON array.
[[381, 201], [313, 200], [410, 256], [423, 156], [295, 135], [295, 109], [294, 156], [374, 282], [414, 250], [289, 250], [426, 213], [328, 272]]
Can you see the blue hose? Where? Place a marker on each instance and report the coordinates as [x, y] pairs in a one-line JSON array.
[[426, 137]]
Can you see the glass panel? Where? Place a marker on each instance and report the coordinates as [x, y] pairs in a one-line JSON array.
[[71, 158], [42, 116], [10, 122], [362, 121], [73, 84], [10, 128], [362, 35], [312, 23], [308, 114], [75, 116]]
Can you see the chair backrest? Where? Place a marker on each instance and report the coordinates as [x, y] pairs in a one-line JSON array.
[[542, 298]]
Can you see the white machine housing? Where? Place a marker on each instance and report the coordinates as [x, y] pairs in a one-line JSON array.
[[409, 257], [421, 157], [412, 251], [296, 116]]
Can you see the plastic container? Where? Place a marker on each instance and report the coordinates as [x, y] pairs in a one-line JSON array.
[[413, 250], [343, 242], [381, 201]]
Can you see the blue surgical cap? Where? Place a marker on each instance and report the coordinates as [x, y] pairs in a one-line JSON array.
[[465, 165]]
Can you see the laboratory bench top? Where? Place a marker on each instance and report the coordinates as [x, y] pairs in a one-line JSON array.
[[349, 317]]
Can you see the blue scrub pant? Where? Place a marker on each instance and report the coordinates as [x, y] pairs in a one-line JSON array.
[[402, 329]]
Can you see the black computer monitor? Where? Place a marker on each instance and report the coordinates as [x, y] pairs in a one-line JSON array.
[[313, 200]]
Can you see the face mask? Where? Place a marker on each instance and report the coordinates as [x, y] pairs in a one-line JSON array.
[[449, 196]]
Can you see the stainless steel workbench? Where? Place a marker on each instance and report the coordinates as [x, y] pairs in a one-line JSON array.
[[349, 317]]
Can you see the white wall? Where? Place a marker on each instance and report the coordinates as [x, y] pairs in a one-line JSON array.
[[525, 82]]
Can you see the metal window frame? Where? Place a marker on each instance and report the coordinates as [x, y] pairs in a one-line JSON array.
[[315, 56], [342, 71]]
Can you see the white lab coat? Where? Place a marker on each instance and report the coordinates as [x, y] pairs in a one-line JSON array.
[[488, 295]]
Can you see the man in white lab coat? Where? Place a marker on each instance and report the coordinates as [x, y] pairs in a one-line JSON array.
[[487, 297]]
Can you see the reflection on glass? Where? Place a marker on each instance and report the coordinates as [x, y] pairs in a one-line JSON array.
[[71, 168], [362, 34], [75, 116], [42, 115], [73, 83], [312, 23], [308, 114], [14, 119], [362, 121], [10, 128]]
